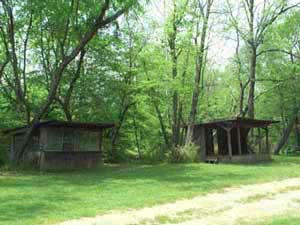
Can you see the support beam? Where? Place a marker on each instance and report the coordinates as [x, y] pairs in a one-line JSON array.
[[229, 142], [202, 143], [267, 140], [212, 141], [12, 149], [100, 140], [239, 140], [259, 140]]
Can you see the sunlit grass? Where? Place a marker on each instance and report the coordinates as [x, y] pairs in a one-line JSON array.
[[288, 219], [28, 198]]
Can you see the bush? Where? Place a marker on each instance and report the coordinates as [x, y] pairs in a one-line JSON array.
[[184, 154], [153, 156]]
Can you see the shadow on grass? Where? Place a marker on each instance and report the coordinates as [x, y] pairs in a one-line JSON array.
[[35, 197]]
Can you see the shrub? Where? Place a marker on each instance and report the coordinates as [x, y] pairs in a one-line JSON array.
[[184, 154], [153, 156]]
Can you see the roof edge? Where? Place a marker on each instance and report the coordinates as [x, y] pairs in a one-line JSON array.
[[62, 123]]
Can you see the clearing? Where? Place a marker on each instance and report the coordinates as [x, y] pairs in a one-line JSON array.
[[36, 198], [233, 206]]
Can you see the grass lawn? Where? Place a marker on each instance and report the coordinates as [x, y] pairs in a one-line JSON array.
[[290, 219], [28, 198], [286, 220]]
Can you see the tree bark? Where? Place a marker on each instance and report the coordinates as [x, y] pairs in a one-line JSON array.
[[66, 100], [137, 141], [19, 75], [297, 135], [285, 135], [252, 76], [158, 112], [162, 125], [198, 72], [172, 37], [116, 132]]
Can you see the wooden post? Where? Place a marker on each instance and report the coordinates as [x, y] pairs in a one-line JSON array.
[[202, 142], [12, 150], [100, 145], [267, 140], [211, 140], [43, 141], [100, 140], [229, 142], [239, 140], [259, 140]]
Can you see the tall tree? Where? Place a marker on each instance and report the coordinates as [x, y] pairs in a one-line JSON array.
[[259, 17], [105, 16], [204, 10], [9, 33], [178, 12]]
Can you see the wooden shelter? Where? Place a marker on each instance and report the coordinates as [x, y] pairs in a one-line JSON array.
[[61, 144], [228, 140]]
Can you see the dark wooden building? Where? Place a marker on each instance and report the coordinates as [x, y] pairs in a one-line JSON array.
[[229, 140], [61, 144]]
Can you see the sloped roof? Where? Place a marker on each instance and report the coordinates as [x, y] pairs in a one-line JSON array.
[[67, 124], [238, 122]]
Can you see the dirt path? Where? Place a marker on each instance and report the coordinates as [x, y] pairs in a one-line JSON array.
[[231, 207]]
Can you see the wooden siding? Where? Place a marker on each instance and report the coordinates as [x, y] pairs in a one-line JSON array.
[[61, 160], [70, 139]]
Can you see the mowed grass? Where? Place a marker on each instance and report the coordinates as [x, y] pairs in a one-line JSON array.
[[28, 198], [289, 219], [284, 220]]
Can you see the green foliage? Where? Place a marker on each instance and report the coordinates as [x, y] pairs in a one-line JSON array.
[[184, 154], [128, 68]]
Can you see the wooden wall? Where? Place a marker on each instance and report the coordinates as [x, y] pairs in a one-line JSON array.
[[70, 160], [61, 148], [68, 139]]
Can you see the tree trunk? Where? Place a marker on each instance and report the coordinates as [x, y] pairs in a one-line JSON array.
[[252, 76], [198, 73], [137, 141], [297, 135], [66, 100], [173, 52], [252, 60], [115, 137], [114, 149], [285, 135], [175, 136], [196, 93], [242, 95], [158, 112], [162, 126]]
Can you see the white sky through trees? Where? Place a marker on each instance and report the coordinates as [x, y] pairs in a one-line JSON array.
[[221, 40]]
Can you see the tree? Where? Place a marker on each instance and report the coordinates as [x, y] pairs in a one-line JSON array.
[[65, 99], [204, 10], [176, 17], [18, 81], [101, 20], [259, 18], [281, 52]]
